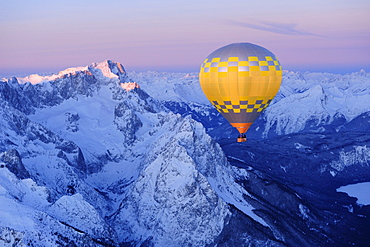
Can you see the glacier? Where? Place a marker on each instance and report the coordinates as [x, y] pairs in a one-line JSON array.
[[96, 156]]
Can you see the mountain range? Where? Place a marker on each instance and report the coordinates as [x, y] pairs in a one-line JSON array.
[[96, 156]]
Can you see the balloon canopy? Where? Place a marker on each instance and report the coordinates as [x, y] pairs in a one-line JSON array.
[[240, 80]]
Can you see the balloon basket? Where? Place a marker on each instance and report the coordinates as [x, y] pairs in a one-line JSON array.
[[241, 138]]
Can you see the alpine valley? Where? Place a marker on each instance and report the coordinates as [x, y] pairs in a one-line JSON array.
[[95, 156]]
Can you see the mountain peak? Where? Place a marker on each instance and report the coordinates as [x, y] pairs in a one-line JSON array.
[[110, 69], [107, 69]]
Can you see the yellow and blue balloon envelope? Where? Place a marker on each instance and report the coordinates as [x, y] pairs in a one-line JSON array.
[[240, 80]]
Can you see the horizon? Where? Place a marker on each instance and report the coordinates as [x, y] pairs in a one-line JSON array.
[[47, 37], [43, 72]]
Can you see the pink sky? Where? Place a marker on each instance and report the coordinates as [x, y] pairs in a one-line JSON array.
[[48, 36]]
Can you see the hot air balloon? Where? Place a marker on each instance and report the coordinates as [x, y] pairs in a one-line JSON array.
[[240, 80]]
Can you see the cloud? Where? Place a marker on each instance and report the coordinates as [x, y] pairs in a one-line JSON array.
[[273, 27]]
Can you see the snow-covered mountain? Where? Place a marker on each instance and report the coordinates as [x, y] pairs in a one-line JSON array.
[[92, 156], [306, 102]]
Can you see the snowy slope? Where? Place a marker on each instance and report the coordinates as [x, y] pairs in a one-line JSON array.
[[164, 86], [313, 101]]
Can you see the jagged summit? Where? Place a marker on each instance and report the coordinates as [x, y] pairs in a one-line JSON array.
[[39, 91], [110, 68], [107, 68]]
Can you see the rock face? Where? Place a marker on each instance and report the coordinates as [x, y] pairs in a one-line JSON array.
[[88, 158], [171, 203], [13, 162]]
